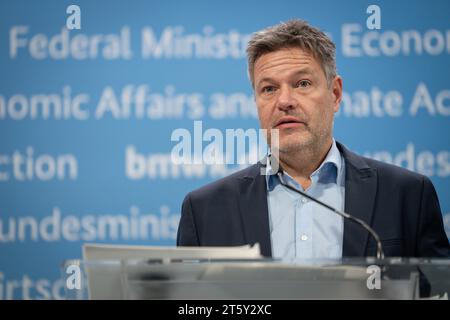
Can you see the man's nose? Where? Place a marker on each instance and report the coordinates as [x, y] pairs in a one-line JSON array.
[[285, 99]]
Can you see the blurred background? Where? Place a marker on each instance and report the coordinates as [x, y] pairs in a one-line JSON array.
[[88, 107]]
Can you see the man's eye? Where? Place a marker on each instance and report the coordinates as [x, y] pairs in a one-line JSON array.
[[304, 83], [268, 89]]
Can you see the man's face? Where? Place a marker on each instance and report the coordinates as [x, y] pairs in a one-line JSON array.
[[292, 95]]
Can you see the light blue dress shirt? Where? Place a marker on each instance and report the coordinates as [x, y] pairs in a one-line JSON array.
[[300, 228]]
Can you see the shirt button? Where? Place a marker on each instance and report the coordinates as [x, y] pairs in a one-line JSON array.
[[304, 200], [304, 237]]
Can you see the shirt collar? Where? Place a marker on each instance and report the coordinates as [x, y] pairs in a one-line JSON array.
[[330, 168]]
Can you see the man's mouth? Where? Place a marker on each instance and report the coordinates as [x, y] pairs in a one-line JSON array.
[[288, 122]]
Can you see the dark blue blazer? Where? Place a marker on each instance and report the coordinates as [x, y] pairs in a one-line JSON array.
[[400, 205]]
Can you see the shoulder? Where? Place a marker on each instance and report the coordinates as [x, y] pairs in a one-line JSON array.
[[386, 172], [226, 185], [395, 173]]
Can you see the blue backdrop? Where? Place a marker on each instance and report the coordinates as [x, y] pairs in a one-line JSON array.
[[86, 116]]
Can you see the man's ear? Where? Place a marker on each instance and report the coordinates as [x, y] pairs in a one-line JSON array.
[[336, 87]]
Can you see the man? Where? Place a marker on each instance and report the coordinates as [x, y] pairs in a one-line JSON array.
[[293, 73]]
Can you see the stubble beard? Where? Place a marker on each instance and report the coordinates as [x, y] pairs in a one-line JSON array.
[[307, 144]]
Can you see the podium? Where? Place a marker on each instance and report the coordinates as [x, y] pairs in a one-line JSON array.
[[260, 279]]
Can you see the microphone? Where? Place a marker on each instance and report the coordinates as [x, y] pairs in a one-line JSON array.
[[380, 252]]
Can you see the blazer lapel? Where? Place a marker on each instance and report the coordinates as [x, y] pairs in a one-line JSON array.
[[254, 210], [360, 194]]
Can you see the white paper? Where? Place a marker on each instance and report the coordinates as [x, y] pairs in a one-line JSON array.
[[92, 251]]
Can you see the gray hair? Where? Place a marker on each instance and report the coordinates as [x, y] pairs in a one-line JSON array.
[[292, 34]]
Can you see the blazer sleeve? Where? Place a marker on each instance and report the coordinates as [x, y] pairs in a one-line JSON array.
[[187, 232], [432, 240]]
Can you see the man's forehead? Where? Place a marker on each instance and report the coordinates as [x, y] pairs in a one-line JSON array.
[[287, 57], [290, 62]]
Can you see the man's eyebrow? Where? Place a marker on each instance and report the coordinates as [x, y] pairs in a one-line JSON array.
[[265, 79], [304, 71]]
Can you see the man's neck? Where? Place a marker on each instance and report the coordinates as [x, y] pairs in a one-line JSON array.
[[302, 164]]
